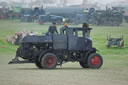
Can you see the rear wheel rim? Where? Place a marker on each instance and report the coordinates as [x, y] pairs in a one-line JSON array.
[[50, 61], [95, 61]]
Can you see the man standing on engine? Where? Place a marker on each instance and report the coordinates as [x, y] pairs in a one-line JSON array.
[[52, 29]]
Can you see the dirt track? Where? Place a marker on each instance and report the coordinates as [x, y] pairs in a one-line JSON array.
[[70, 73]]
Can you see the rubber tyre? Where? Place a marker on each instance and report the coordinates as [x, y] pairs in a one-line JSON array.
[[49, 61], [94, 61], [108, 45], [38, 64], [83, 64], [121, 44]]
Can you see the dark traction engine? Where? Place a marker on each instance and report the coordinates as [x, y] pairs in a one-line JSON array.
[[48, 51]]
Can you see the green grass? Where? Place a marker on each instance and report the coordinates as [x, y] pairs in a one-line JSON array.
[[113, 72], [99, 35]]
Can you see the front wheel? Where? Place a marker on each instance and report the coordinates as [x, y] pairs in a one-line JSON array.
[[94, 61]]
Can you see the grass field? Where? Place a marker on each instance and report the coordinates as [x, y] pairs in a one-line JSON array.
[[113, 72]]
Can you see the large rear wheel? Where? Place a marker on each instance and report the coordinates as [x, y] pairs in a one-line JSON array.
[[38, 64], [94, 61], [83, 64], [49, 61]]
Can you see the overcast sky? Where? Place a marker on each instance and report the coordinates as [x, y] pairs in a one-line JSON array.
[[99, 1], [78, 1]]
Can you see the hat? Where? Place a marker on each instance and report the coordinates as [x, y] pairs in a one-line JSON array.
[[65, 24], [53, 23], [85, 25]]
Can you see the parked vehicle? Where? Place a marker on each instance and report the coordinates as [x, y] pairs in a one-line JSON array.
[[108, 17], [115, 42], [50, 18], [30, 15], [26, 15]]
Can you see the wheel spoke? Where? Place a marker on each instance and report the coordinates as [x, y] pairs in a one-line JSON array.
[[95, 61], [50, 61]]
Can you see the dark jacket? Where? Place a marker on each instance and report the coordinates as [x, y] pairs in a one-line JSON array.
[[63, 29], [52, 30]]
